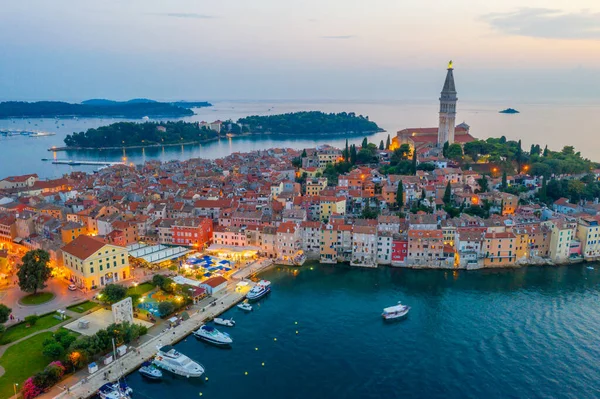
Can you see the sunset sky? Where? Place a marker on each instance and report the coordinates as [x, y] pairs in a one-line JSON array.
[[298, 49]]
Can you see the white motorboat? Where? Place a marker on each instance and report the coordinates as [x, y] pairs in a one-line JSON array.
[[170, 359], [395, 312], [224, 322], [150, 371], [213, 336], [245, 306], [262, 288]]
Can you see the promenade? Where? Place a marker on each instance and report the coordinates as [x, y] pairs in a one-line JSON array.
[[77, 388]]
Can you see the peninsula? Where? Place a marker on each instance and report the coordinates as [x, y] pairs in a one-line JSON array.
[[135, 109], [127, 134], [509, 111]]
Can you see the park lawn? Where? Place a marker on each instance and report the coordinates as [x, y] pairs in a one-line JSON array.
[[21, 361], [140, 289], [37, 299], [83, 307], [20, 330]]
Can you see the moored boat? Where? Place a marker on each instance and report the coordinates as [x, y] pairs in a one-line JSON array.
[[224, 322], [245, 306], [213, 336], [168, 358], [115, 390], [150, 371], [395, 312], [262, 288]]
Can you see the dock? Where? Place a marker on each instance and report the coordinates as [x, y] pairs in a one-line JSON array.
[[72, 162]]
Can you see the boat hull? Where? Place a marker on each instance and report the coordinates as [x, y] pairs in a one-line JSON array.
[[395, 316], [151, 376], [212, 341], [256, 297], [177, 372]]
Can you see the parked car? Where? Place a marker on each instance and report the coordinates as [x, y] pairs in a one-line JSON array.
[[72, 287]]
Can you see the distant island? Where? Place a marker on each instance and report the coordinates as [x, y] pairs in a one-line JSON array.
[[309, 122], [135, 109], [509, 111], [129, 134]]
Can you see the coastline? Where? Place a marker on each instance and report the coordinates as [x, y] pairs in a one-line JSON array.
[[231, 136]]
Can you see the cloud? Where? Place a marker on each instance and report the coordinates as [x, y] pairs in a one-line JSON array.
[[338, 37], [186, 15], [547, 23]]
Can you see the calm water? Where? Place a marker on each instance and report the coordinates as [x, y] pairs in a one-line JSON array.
[[528, 333], [553, 124]]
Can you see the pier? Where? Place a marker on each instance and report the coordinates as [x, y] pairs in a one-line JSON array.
[[72, 162]]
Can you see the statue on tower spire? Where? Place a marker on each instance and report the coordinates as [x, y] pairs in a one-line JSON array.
[[450, 65]]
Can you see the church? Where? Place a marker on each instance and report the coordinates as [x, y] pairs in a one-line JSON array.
[[431, 139]]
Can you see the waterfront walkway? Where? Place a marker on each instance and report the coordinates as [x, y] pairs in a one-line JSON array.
[[82, 385]]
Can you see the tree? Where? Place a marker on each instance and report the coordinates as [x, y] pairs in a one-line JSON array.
[[447, 194], [519, 156], [445, 149], [352, 154], [346, 152], [158, 280], [542, 194], [483, 184], [303, 153], [113, 293], [365, 143], [53, 351], [388, 143], [545, 151], [4, 313], [34, 271], [166, 308], [400, 195], [504, 185], [454, 151], [381, 147], [414, 162]]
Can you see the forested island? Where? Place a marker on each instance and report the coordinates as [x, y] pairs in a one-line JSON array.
[[126, 134], [137, 108], [130, 134], [309, 122]]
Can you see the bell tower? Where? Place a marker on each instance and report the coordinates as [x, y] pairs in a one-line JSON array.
[[448, 101]]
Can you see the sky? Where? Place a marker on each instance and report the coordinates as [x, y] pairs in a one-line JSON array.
[[71, 50]]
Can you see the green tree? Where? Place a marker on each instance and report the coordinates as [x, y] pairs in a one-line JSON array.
[[454, 151], [353, 154], [365, 143], [445, 149], [447, 194], [303, 153], [158, 280], [504, 184], [483, 184], [545, 151], [381, 147], [414, 162], [400, 195], [53, 351], [388, 143], [34, 271], [4, 313], [113, 293], [166, 308], [346, 152]]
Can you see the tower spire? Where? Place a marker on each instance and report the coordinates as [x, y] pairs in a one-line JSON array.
[[448, 101]]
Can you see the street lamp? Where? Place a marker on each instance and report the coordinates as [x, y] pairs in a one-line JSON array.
[[15, 385], [135, 284]]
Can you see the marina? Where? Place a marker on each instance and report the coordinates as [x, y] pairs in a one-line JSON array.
[[71, 162]]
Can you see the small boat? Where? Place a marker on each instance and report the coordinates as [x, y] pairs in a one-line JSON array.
[[224, 322], [245, 306], [590, 268], [115, 390], [150, 371], [213, 336], [395, 312], [170, 359], [262, 288]]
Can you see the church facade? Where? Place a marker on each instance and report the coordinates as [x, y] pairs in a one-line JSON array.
[[427, 139]]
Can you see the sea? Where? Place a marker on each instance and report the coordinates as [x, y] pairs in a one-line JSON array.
[[545, 123], [490, 334]]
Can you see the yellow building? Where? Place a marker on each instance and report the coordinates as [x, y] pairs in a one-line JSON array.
[[71, 231], [328, 248], [314, 186], [500, 249], [93, 263], [330, 205]]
